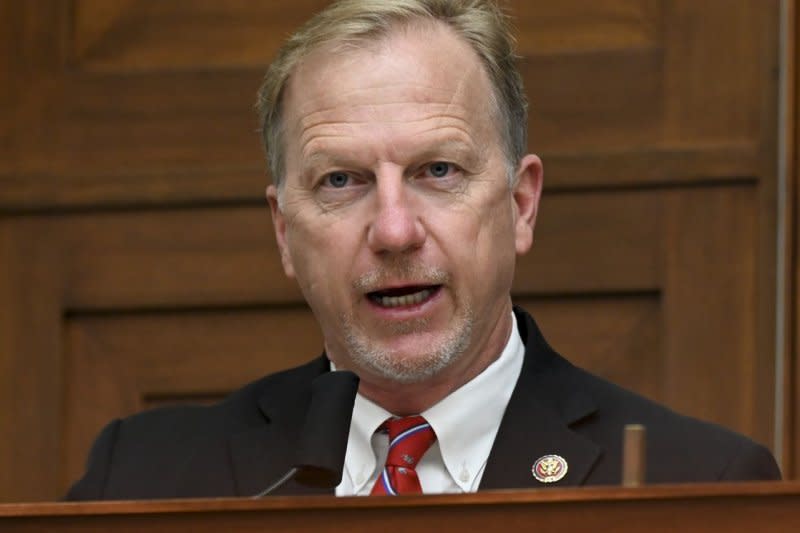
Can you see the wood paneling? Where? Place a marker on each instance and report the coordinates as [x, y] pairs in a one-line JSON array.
[[578, 26], [137, 265], [135, 35], [189, 257], [710, 298], [790, 265], [588, 242], [618, 337], [142, 101]]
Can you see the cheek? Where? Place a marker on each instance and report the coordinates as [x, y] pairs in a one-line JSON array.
[[490, 249], [320, 255], [494, 225]]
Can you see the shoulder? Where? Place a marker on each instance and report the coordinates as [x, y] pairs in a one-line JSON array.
[[679, 448], [163, 443]]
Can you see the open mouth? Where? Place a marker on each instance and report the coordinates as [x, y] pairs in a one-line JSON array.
[[403, 296]]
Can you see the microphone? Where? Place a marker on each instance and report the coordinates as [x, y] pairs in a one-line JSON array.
[[320, 454]]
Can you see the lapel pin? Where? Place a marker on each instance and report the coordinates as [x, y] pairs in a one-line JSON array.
[[549, 468]]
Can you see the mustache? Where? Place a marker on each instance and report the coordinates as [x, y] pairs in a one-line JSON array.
[[400, 269]]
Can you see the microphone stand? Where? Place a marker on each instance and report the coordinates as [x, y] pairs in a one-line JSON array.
[[278, 484]]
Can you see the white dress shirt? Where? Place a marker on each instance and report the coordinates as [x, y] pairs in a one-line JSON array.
[[465, 422]]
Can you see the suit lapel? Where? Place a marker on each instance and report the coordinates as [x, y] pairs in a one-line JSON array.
[[263, 454], [538, 418]]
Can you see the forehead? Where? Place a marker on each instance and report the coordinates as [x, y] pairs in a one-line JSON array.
[[420, 64]]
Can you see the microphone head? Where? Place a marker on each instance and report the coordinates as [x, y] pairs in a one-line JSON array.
[[320, 455]]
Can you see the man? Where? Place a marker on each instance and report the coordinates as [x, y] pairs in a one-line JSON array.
[[402, 195]]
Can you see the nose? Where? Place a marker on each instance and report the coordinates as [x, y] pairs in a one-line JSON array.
[[396, 226]]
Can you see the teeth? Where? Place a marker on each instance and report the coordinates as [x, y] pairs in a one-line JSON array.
[[408, 299]]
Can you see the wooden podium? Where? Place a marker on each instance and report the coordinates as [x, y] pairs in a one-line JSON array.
[[742, 507]]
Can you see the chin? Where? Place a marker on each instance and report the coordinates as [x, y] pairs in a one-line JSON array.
[[410, 366]]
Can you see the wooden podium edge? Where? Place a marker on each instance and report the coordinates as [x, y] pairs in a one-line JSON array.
[[609, 494], [772, 507]]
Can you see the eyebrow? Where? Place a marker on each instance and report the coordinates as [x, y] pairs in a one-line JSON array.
[[466, 153]]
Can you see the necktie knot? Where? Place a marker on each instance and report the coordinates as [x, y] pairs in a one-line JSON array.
[[409, 439]]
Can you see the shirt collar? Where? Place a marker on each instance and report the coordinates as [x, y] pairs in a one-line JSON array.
[[467, 420], [359, 460]]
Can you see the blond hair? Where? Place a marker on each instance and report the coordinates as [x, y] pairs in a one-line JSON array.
[[480, 23]]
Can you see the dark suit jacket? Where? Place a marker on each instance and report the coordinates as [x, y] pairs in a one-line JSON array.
[[244, 443]]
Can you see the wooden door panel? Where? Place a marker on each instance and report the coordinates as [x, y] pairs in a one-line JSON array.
[[589, 242], [134, 35]]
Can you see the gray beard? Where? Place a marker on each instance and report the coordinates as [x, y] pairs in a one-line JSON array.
[[406, 370]]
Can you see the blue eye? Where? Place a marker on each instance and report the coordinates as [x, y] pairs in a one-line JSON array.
[[439, 169], [337, 179]]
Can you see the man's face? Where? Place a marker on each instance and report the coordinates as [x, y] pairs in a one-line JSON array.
[[396, 216]]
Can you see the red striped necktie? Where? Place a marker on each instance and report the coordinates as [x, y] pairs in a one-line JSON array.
[[409, 439]]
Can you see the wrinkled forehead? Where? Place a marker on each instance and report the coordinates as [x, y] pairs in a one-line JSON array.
[[427, 62]]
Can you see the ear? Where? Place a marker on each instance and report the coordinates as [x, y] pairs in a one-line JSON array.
[[526, 194], [279, 224]]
